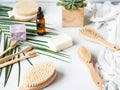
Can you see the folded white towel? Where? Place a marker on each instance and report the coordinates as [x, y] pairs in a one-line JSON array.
[[103, 13], [108, 64]]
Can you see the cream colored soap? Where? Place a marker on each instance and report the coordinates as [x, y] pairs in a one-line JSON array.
[[60, 42]]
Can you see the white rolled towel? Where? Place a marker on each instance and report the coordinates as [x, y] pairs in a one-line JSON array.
[[108, 64]]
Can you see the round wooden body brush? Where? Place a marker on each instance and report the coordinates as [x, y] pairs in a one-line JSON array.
[[90, 35], [85, 57], [39, 76]]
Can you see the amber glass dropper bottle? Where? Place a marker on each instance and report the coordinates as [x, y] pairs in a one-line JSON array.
[[40, 22]]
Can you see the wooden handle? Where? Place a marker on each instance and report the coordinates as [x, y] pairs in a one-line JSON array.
[[2, 60], [12, 62], [25, 49], [1, 54], [95, 77], [108, 45]]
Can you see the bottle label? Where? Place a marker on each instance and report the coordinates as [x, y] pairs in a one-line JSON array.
[[40, 26]]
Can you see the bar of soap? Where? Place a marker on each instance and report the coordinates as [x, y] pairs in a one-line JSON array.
[[18, 32], [60, 42]]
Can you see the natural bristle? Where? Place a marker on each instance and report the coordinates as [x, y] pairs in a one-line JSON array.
[[88, 32], [84, 54], [27, 48], [31, 53], [38, 74], [13, 44]]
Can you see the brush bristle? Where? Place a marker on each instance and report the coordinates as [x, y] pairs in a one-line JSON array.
[[31, 53], [84, 54], [39, 74], [13, 44], [90, 33]]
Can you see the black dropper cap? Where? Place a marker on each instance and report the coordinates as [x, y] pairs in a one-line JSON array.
[[40, 14]]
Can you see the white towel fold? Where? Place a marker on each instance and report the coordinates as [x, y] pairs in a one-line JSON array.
[[103, 13], [108, 64]]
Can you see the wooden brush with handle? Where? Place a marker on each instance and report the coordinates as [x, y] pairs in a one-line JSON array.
[[90, 35], [28, 55], [39, 76], [25, 49], [85, 57], [12, 45]]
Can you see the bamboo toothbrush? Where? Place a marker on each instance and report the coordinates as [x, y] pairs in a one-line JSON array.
[[39, 76], [90, 35], [85, 57], [28, 55], [25, 49], [12, 45]]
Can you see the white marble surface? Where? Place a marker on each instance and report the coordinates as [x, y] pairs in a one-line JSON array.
[[71, 76]]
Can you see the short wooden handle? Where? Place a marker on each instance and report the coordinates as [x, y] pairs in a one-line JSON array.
[[11, 62], [95, 76], [2, 60], [25, 49], [1, 54], [107, 44]]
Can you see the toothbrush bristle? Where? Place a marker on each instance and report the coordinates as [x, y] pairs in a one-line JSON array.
[[31, 53]]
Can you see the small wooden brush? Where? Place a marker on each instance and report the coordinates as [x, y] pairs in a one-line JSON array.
[[85, 57], [39, 76], [90, 35], [12, 45], [25, 49], [28, 55]]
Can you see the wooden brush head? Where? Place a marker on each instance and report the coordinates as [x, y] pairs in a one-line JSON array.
[[31, 53], [88, 34], [84, 54], [39, 76], [13, 44]]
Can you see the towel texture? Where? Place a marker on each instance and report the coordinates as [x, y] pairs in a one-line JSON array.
[[107, 15], [104, 14]]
